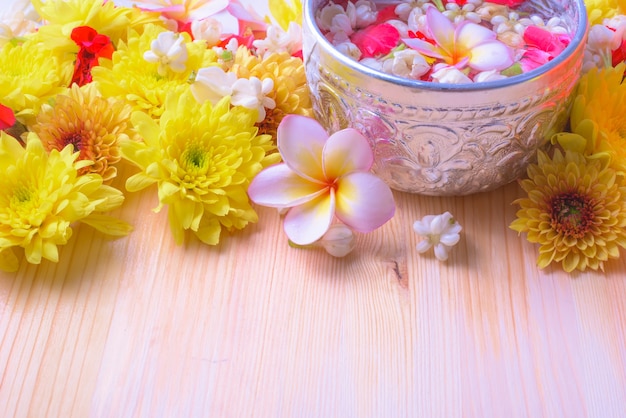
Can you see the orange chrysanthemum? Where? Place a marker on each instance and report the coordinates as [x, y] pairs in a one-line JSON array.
[[575, 209], [290, 92], [93, 124]]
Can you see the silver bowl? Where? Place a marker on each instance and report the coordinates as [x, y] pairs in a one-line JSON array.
[[446, 139]]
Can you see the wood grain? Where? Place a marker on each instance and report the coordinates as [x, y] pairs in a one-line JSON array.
[[140, 327]]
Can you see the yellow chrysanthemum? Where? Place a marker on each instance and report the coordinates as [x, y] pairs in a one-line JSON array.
[[202, 158], [575, 209], [138, 81], [290, 92], [29, 75], [42, 195], [601, 98], [92, 124], [104, 16], [286, 11], [598, 10]]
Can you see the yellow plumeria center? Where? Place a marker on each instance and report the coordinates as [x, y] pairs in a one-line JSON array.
[[572, 214]]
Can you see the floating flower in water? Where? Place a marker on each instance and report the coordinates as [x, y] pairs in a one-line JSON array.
[[202, 169], [441, 231], [466, 44], [575, 209], [43, 195], [474, 37], [322, 177], [90, 123]]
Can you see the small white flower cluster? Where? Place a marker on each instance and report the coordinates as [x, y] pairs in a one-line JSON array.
[[340, 23], [169, 51], [213, 83], [277, 40], [441, 231], [602, 40]]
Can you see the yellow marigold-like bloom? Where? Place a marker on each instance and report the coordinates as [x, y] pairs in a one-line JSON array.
[[290, 92], [202, 158], [601, 98], [138, 81], [29, 75], [104, 16], [575, 210], [42, 195], [598, 10], [92, 124], [286, 11]]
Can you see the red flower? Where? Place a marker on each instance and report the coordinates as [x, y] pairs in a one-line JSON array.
[[7, 118], [376, 40], [510, 3], [92, 46]]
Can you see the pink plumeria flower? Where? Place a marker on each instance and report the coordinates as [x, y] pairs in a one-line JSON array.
[[322, 177], [183, 10], [467, 44]]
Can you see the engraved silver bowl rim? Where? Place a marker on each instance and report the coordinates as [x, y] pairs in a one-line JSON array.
[[311, 6]]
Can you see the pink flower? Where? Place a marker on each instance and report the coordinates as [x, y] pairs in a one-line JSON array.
[[467, 44], [376, 40], [322, 177], [542, 46]]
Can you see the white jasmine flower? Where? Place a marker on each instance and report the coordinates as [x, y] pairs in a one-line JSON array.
[[402, 27], [443, 73], [252, 94], [209, 30], [372, 63], [365, 13], [327, 14], [490, 75], [212, 84], [406, 63], [404, 9], [338, 241], [277, 40], [600, 42], [441, 232], [169, 51], [349, 49]]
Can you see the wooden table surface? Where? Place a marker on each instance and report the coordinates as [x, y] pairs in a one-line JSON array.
[[140, 327]]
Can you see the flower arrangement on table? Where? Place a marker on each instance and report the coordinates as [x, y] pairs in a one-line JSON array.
[[208, 101]]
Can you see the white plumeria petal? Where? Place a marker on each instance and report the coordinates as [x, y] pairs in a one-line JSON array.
[[212, 84]]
